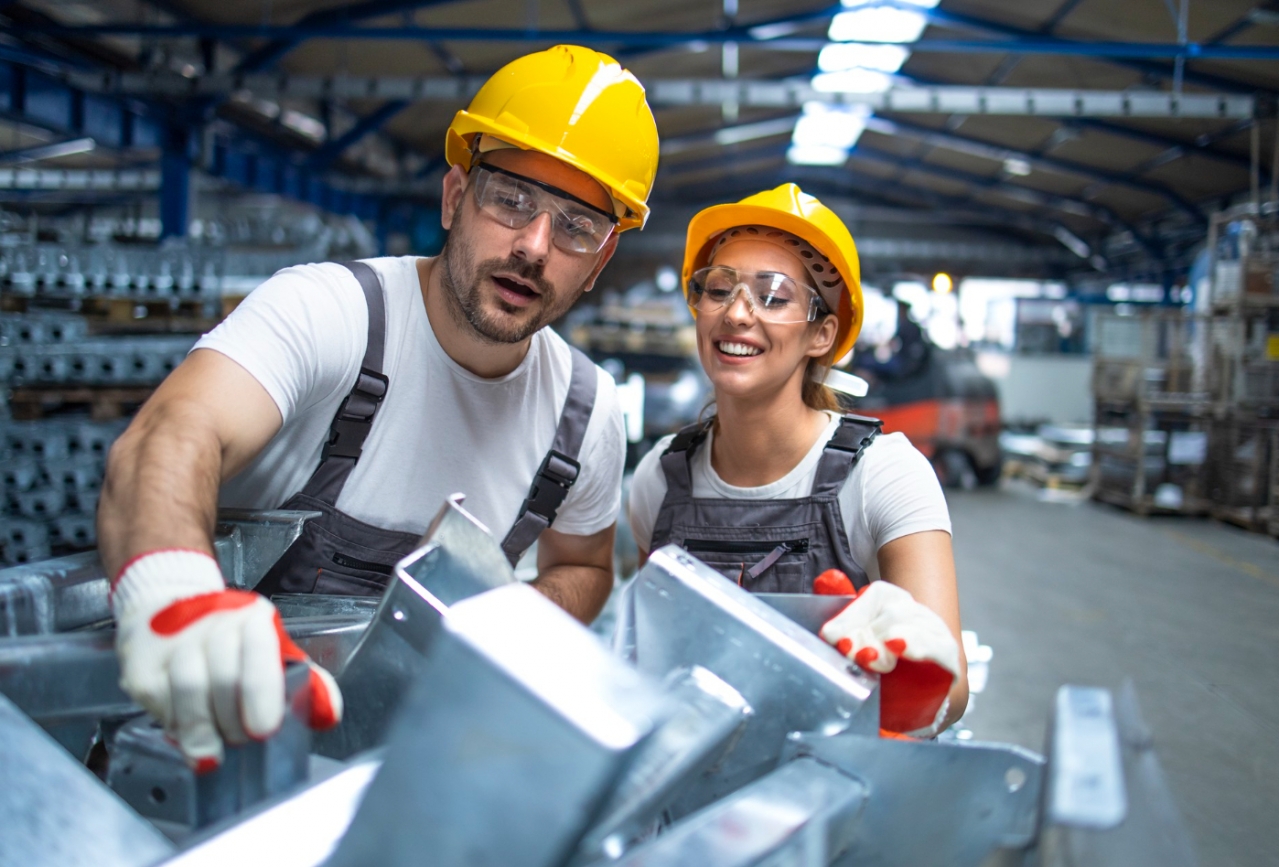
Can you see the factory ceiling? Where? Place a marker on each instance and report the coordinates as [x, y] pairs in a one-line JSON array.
[[960, 131]]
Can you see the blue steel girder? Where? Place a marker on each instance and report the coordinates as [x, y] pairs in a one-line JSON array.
[[1009, 63], [942, 138], [1026, 43], [267, 55], [332, 150], [31, 97]]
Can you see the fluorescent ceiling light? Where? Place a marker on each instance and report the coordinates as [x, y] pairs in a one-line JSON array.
[[830, 126], [816, 155], [1017, 166], [839, 57], [877, 24], [852, 81]]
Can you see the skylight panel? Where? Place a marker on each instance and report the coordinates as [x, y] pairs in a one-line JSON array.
[[852, 81], [839, 57], [877, 24]]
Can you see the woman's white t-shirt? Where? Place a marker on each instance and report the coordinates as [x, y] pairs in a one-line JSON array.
[[891, 492]]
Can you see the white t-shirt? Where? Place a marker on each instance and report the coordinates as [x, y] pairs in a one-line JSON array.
[[891, 492], [440, 429]]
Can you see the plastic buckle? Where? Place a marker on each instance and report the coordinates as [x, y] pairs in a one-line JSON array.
[[354, 418], [551, 484]]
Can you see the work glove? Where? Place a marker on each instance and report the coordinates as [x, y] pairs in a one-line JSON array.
[[886, 631], [206, 661]]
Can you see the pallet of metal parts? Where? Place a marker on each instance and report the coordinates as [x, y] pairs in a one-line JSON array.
[[798, 814], [42, 327], [143, 360], [150, 774], [53, 810], [677, 613], [459, 558], [521, 718]]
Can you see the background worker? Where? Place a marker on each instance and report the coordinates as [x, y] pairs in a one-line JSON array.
[[372, 392], [778, 486]]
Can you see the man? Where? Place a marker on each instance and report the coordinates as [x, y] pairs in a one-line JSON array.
[[371, 391]]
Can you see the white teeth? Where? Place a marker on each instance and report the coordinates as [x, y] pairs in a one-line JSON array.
[[738, 349]]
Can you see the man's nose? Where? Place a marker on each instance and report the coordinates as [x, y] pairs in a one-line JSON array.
[[533, 242]]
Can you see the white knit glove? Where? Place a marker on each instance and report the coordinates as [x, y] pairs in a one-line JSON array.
[[886, 631], [205, 661]]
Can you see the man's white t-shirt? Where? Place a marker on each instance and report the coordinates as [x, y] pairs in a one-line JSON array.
[[891, 492], [440, 429]]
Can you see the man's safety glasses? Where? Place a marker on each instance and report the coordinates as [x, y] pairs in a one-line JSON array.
[[771, 296], [514, 200]]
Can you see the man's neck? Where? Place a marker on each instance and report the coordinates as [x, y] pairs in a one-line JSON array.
[[458, 339], [759, 441]]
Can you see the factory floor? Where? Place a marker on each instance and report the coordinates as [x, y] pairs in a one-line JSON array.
[[1188, 608]]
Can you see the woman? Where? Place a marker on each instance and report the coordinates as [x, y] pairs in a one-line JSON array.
[[778, 486]]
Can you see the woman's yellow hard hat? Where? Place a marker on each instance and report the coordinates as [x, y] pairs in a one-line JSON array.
[[792, 210], [574, 104]]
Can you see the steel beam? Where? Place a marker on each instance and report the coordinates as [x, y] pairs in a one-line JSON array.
[[1027, 42], [333, 150], [780, 94]]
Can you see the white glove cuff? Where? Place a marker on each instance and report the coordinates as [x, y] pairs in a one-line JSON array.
[[157, 579]]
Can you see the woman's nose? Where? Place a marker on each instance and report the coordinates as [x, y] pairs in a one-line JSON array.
[[740, 305]]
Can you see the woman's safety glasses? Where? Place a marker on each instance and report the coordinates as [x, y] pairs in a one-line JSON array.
[[771, 296], [514, 200]]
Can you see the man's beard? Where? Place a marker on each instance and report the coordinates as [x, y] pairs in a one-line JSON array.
[[462, 279]]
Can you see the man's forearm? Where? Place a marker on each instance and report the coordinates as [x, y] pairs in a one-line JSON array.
[[579, 590], [161, 487]]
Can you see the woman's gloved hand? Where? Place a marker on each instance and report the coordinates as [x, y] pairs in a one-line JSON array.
[[206, 661], [885, 630]]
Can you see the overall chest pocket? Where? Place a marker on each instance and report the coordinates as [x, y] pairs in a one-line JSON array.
[[759, 565]]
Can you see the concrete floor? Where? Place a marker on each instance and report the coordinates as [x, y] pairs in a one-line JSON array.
[[1188, 608]]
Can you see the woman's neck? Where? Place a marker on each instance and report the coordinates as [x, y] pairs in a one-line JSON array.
[[758, 441]]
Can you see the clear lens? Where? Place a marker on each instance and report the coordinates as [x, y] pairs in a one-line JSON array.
[[515, 203], [771, 296]]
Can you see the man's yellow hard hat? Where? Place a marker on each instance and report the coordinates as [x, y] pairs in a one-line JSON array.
[[574, 104], [792, 210]]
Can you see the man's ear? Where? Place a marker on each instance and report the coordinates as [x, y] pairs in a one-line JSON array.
[[824, 337], [606, 252], [454, 187]]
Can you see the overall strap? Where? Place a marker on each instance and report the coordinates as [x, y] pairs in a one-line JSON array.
[[854, 434], [677, 463], [560, 467], [354, 418]]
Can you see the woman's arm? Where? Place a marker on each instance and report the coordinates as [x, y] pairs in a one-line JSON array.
[[923, 565]]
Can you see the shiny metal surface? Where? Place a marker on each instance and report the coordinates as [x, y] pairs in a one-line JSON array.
[[511, 740], [678, 613], [709, 714], [798, 814], [299, 831], [1087, 783], [295, 605], [388, 656], [470, 559], [944, 804], [150, 774], [1151, 833], [53, 811], [809, 611], [259, 538]]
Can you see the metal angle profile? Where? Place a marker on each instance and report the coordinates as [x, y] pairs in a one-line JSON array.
[[798, 814], [930, 803], [149, 772], [300, 830], [53, 811], [709, 715], [508, 745], [806, 609], [470, 560], [260, 539], [1106, 800], [677, 612]]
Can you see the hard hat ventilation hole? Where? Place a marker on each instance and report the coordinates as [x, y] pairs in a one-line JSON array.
[[753, 231], [818, 268], [808, 254]]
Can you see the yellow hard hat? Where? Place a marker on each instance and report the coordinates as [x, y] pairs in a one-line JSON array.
[[574, 104], [792, 210]]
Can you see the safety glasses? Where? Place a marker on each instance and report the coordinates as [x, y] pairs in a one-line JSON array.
[[771, 296], [514, 201]]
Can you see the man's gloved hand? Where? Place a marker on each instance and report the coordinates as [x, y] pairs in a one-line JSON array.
[[204, 660], [886, 631]]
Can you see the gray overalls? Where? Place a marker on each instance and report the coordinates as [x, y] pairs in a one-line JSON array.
[[338, 554], [767, 546]]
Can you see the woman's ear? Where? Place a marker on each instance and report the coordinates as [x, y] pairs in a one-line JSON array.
[[823, 336]]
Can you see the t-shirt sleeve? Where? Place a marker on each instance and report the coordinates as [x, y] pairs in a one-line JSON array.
[[648, 490], [900, 494], [301, 334], [594, 502]]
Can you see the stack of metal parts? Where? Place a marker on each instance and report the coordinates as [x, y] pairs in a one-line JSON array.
[[140, 273], [485, 726]]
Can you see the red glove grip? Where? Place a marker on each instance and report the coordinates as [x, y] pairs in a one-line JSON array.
[[911, 695]]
